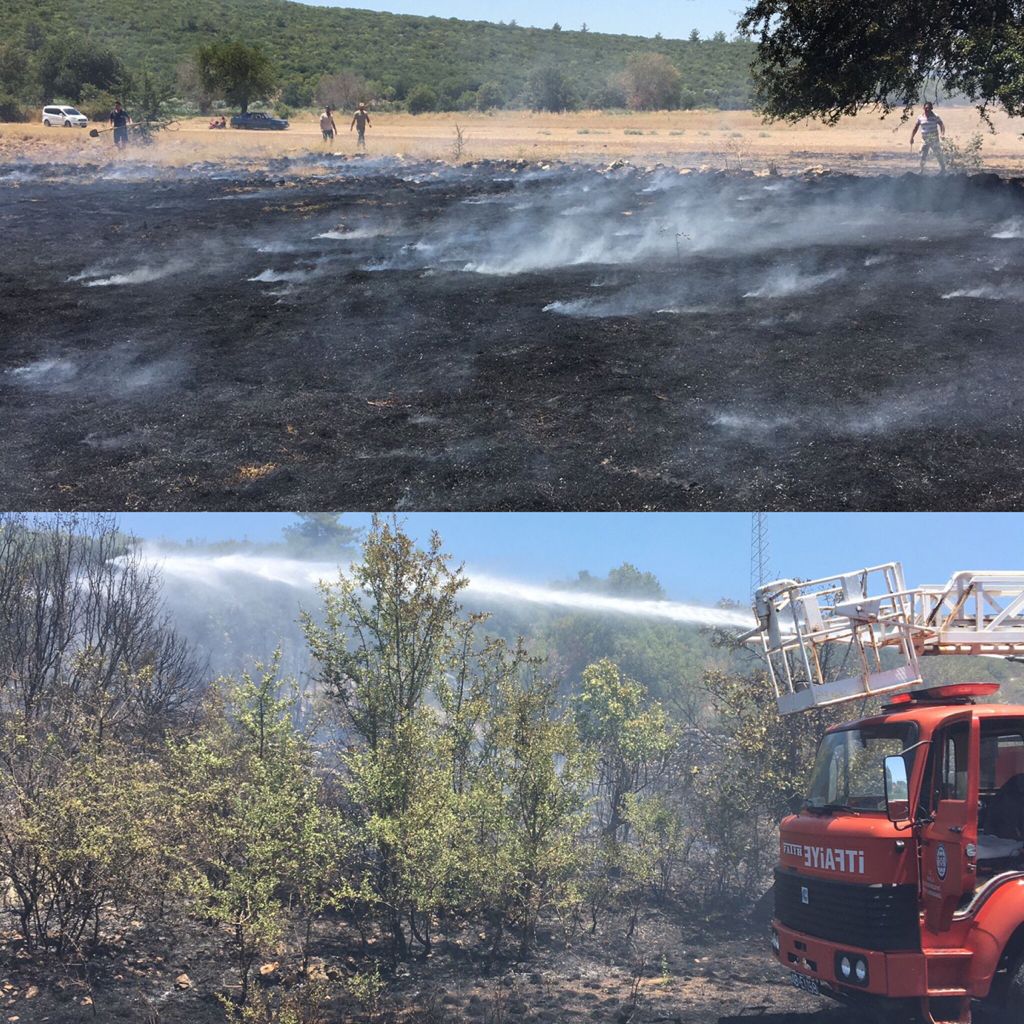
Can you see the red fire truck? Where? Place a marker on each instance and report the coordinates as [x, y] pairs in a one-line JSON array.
[[900, 884]]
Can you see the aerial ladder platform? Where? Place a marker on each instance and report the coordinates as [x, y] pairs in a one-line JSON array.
[[863, 633]]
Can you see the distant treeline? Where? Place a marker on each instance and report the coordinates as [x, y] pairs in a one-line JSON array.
[[390, 60]]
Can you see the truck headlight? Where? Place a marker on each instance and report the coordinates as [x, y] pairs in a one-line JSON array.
[[852, 968], [776, 944]]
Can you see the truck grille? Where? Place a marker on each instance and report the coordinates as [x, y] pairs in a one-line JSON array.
[[883, 917]]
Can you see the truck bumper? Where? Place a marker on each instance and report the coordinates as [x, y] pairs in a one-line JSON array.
[[892, 975]]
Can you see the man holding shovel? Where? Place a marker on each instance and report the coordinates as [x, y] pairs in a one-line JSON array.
[[119, 121]]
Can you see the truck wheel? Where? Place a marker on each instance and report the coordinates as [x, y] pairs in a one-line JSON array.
[[1013, 1006]]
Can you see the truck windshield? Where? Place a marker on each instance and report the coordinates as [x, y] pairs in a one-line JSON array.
[[848, 769]]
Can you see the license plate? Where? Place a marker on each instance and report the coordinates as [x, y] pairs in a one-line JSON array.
[[805, 984]]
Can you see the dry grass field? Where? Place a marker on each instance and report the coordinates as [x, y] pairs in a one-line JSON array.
[[718, 139]]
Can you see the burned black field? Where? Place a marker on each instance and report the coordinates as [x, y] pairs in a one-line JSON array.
[[508, 336]]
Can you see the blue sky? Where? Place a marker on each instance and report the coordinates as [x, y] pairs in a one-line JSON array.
[[642, 18], [697, 556]]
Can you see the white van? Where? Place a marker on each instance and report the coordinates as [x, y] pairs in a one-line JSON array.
[[69, 117]]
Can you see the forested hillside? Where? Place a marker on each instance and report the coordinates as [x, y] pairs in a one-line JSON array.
[[395, 52]]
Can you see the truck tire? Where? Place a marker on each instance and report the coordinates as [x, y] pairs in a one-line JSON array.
[[1013, 1005]]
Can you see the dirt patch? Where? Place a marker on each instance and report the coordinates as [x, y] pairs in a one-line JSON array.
[[386, 334]]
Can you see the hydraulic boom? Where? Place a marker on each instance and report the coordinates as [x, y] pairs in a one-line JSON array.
[[862, 633]]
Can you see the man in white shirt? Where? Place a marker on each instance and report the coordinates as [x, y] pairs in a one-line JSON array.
[[932, 131], [327, 125]]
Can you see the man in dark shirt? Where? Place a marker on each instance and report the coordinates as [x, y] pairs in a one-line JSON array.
[[120, 120]]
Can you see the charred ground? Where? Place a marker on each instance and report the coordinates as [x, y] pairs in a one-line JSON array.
[[507, 336], [675, 970]]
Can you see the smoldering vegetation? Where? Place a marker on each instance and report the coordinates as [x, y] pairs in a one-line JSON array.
[[507, 335]]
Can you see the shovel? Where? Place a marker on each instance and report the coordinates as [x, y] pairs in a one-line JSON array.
[[155, 126]]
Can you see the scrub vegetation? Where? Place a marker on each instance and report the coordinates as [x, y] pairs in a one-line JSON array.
[[465, 64], [436, 791]]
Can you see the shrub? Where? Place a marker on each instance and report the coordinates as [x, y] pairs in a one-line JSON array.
[[421, 100], [963, 157], [489, 95], [11, 109], [652, 81], [343, 91], [610, 96], [548, 88]]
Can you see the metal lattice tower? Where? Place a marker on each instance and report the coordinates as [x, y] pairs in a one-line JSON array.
[[760, 568]]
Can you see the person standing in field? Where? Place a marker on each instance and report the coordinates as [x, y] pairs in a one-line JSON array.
[[932, 132], [327, 125], [361, 121], [119, 121]]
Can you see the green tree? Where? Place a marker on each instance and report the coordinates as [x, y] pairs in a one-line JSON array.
[[612, 95], [421, 100], [14, 70], [410, 676], [653, 82], [887, 53], [657, 847], [321, 533], [239, 73], [67, 64], [548, 88], [147, 96], [540, 774], [630, 736], [254, 835]]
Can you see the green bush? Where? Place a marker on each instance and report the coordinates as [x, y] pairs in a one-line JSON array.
[[97, 104], [489, 95], [11, 108], [421, 100]]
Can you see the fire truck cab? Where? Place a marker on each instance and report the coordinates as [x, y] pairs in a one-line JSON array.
[[900, 882], [902, 876]]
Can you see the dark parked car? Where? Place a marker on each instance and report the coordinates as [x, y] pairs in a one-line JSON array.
[[258, 120]]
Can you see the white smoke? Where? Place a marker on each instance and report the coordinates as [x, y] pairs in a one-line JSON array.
[[276, 276], [1013, 228], [140, 275], [783, 283], [998, 292]]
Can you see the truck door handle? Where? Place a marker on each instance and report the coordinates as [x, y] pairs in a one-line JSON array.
[[956, 828]]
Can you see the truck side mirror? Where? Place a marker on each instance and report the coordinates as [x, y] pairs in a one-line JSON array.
[[897, 788]]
